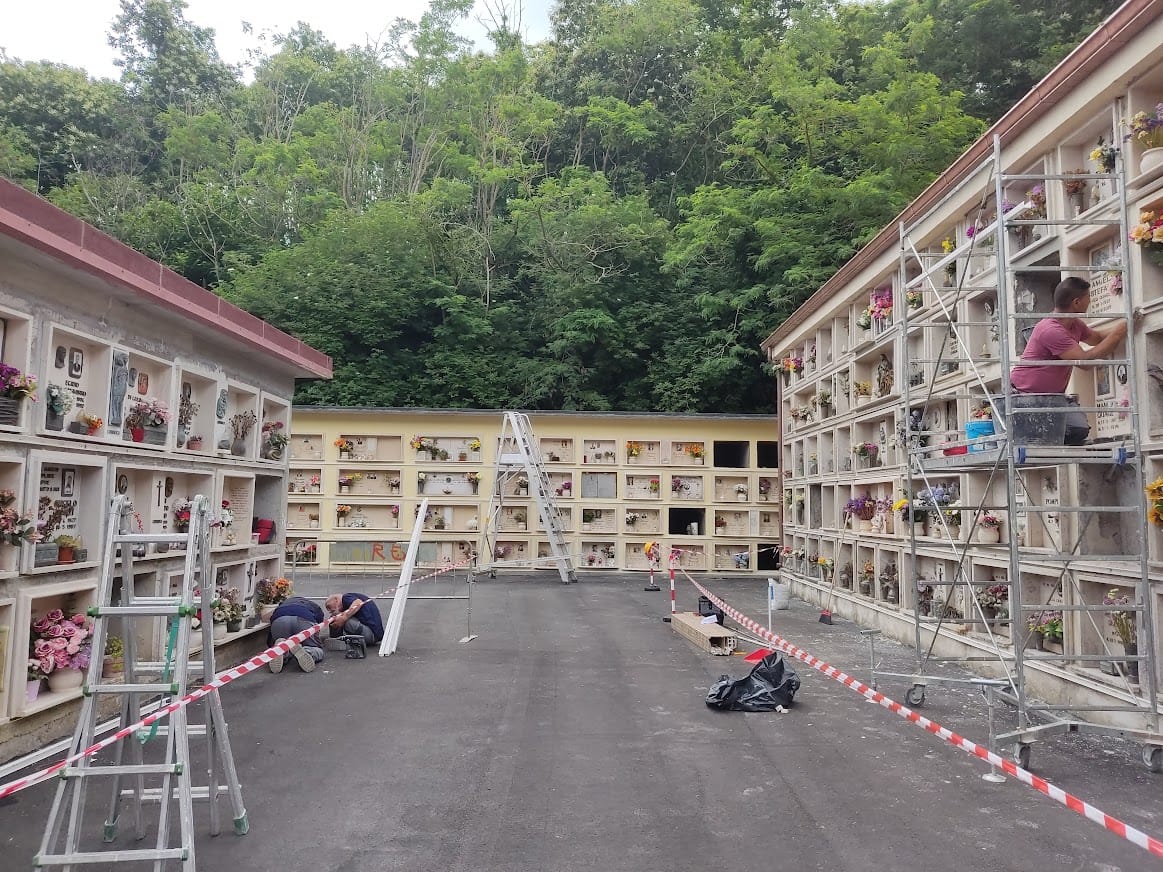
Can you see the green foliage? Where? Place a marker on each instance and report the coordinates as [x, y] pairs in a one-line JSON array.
[[613, 219]]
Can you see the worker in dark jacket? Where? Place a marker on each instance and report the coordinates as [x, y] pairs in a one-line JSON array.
[[355, 614], [292, 616]]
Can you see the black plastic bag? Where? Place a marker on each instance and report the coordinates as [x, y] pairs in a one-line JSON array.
[[770, 684]]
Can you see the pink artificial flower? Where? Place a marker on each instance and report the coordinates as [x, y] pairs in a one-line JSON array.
[[61, 658], [55, 631], [60, 643], [79, 620], [55, 616], [73, 648], [42, 647], [68, 629], [46, 663], [41, 625]]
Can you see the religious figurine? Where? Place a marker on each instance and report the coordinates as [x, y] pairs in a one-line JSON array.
[[220, 406], [884, 377], [118, 387]]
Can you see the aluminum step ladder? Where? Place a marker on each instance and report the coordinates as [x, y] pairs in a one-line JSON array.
[[169, 772], [519, 458]]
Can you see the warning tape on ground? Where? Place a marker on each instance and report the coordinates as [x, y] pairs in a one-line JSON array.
[[1114, 825], [220, 680]]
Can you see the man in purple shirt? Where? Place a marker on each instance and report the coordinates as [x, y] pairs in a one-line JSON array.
[[1060, 337]]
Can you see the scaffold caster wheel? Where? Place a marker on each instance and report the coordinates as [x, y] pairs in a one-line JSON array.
[[915, 695], [1022, 754], [492, 573], [1153, 758]]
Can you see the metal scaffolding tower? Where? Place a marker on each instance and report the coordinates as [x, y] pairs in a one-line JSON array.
[[1075, 515]]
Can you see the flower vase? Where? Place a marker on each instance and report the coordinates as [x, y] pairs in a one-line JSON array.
[[343, 488], [988, 535], [1150, 160], [234, 626], [10, 412], [865, 526], [344, 455], [341, 521], [266, 612], [60, 680], [54, 422], [137, 434], [238, 447], [740, 498], [1131, 649], [32, 690], [219, 631]]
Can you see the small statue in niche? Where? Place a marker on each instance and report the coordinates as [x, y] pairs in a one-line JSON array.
[[884, 377], [119, 385], [220, 406]]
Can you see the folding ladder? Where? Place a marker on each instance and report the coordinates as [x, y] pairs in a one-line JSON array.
[[517, 457], [170, 777]]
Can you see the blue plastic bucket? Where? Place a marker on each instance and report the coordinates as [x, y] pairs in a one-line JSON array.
[[974, 433]]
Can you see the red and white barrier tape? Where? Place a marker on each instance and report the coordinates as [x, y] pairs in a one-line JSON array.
[[1126, 831], [222, 678]]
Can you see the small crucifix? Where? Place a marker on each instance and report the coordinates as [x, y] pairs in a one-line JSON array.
[[160, 485]]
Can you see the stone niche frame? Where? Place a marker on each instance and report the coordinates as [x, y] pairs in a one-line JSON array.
[[204, 390], [240, 398], [154, 493], [16, 350], [274, 410], [82, 364], [67, 478], [32, 603]]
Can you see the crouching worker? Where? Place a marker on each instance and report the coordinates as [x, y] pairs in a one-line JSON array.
[[355, 614], [293, 615]]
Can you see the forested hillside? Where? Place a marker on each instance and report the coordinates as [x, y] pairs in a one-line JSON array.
[[612, 219]]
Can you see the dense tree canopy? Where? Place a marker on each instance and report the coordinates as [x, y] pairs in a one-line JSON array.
[[611, 219]]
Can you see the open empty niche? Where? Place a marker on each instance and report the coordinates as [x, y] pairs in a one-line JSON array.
[[682, 521], [731, 454]]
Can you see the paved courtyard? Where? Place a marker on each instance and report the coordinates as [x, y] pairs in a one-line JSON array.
[[572, 734]]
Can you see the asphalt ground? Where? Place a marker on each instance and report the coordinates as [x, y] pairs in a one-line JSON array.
[[572, 734]]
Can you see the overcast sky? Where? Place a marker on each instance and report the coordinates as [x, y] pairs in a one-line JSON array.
[[74, 31]]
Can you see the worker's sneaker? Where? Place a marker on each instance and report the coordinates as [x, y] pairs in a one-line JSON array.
[[303, 658], [276, 663]]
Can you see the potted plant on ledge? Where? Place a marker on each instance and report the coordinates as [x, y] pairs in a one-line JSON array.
[[240, 426], [274, 440], [862, 508], [57, 402], [147, 420], [988, 530], [268, 593], [1125, 628]]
